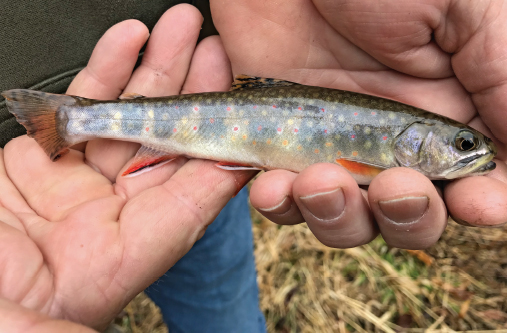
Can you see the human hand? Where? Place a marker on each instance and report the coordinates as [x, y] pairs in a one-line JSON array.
[[444, 56], [75, 244]]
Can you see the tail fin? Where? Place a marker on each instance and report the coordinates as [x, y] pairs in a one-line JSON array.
[[37, 112]]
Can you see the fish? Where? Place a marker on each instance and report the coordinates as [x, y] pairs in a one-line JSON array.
[[262, 124]]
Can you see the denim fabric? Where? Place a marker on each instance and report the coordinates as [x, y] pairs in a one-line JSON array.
[[213, 288]]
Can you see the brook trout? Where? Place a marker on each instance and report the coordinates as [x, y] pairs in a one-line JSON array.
[[263, 124]]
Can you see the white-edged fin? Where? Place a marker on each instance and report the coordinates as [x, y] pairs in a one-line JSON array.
[[233, 166], [148, 157]]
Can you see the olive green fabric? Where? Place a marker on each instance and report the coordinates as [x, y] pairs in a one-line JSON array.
[[44, 43]]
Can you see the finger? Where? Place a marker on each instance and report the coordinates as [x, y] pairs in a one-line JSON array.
[[408, 209], [111, 63], [333, 206], [209, 71], [399, 35], [271, 195], [10, 197], [479, 201], [52, 189], [161, 73]]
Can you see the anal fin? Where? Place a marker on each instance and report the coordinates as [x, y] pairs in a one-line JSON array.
[[147, 157]]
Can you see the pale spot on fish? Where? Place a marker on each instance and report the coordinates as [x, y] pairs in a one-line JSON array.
[[341, 118], [117, 115], [329, 157], [241, 112], [309, 124], [367, 144], [392, 115], [264, 113], [337, 136], [285, 113], [309, 138], [246, 122], [151, 114], [233, 138], [383, 157], [165, 116], [115, 127], [184, 120], [367, 130]]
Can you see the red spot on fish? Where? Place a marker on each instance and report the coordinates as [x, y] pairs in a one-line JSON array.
[[236, 129], [300, 108], [147, 129], [274, 106], [177, 107], [384, 138], [355, 113], [325, 131], [373, 113], [175, 130], [228, 108], [296, 130], [322, 110], [255, 106], [279, 129], [212, 120], [354, 153], [196, 108], [195, 128], [353, 136], [259, 128], [316, 151]]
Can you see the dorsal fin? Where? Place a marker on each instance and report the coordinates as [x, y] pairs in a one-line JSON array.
[[251, 82]]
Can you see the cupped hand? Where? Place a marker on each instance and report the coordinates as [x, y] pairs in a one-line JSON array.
[[443, 56], [77, 241]]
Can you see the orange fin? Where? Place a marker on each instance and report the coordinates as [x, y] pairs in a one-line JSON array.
[[147, 157], [130, 96], [36, 111], [359, 168], [248, 82], [235, 166]]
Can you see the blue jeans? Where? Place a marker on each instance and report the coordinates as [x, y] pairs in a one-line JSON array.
[[213, 288]]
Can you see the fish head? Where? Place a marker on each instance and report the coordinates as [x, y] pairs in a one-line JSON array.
[[445, 151]]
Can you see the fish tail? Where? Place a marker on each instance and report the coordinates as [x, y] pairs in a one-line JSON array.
[[37, 112]]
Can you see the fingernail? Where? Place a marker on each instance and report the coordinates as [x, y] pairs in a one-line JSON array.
[[326, 205], [404, 210], [280, 208]]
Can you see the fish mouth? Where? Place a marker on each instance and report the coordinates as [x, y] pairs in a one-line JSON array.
[[487, 167]]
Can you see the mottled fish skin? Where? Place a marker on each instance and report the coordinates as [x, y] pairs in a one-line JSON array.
[[276, 128], [282, 127]]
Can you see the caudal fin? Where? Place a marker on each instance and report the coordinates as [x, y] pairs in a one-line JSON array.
[[37, 112]]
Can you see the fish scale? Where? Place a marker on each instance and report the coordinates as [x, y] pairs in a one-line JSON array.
[[262, 123]]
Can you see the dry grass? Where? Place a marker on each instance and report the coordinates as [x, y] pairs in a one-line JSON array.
[[457, 285]]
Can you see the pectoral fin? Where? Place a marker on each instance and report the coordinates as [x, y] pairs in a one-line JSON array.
[[359, 168]]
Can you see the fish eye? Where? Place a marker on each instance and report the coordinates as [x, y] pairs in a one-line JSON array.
[[466, 141]]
